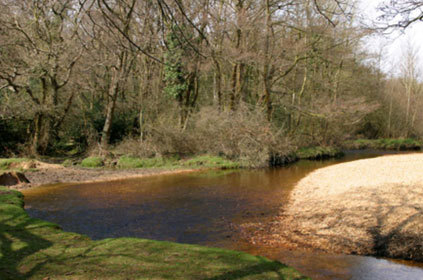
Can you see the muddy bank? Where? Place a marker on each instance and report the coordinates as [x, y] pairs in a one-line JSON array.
[[366, 207], [45, 174]]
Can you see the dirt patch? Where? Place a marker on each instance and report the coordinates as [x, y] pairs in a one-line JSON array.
[[367, 207], [13, 178]]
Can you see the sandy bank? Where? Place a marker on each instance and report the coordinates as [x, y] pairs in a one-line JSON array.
[[369, 207], [52, 174]]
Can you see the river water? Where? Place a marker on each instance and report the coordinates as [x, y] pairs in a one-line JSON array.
[[203, 208]]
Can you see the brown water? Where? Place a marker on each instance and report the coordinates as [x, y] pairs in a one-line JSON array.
[[202, 208]]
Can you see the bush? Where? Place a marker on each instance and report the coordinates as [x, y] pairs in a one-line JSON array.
[[92, 162], [245, 136]]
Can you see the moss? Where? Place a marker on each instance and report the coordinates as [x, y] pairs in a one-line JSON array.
[[318, 152], [92, 162], [34, 249]]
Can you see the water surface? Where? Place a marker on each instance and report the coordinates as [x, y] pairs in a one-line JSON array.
[[203, 208]]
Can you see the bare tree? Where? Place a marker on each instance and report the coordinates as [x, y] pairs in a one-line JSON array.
[[410, 76], [400, 14], [39, 40]]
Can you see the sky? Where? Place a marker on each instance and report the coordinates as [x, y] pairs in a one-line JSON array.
[[393, 46]]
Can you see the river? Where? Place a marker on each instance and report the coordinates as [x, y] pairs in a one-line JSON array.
[[205, 208]]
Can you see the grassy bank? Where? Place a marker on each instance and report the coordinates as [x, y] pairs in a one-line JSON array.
[[16, 164], [34, 249], [131, 162], [384, 144]]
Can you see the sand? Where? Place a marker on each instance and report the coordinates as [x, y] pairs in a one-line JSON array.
[[367, 207]]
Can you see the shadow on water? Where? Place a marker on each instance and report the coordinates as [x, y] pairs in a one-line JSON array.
[[202, 208]]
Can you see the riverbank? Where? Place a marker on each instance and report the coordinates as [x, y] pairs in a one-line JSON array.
[[401, 144], [40, 173], [366, 207], [98, 169], [35, 249]]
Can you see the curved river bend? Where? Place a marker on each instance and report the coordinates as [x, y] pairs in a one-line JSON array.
[[203, 208]]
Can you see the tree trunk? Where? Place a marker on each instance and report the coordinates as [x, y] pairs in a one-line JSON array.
[[217, 87], [232, 101], [266, 66], [112, 96], [38, 121]]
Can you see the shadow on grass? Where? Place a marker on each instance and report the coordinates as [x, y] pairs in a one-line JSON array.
[[17, 243], [263, 267]]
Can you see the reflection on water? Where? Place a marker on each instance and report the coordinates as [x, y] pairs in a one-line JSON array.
[[201, 208]]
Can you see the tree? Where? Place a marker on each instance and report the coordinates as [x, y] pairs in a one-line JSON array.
[[39, 53], [410, 76], [113, 22], [400, 14]]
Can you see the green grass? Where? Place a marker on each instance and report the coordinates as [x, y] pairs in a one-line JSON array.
[[385, 144], [35, 249], [5, 163], [67, 163], [8, 165], [135, 162], [204, 161], [210, 162], [318, 152], [92, 162]]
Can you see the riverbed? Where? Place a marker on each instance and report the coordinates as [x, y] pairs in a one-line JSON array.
[[208, 208]]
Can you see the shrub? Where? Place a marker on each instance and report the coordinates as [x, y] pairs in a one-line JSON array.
[[245, 136], [92, 162]]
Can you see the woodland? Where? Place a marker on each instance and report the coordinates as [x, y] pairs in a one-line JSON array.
[[241, 79]]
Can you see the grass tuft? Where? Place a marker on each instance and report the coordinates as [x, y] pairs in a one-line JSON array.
[[92, 162]]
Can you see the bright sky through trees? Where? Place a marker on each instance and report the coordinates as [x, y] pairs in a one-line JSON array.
[[393, 44]]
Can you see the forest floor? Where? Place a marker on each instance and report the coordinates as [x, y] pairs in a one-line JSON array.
[[367, 207], [35, 249]]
